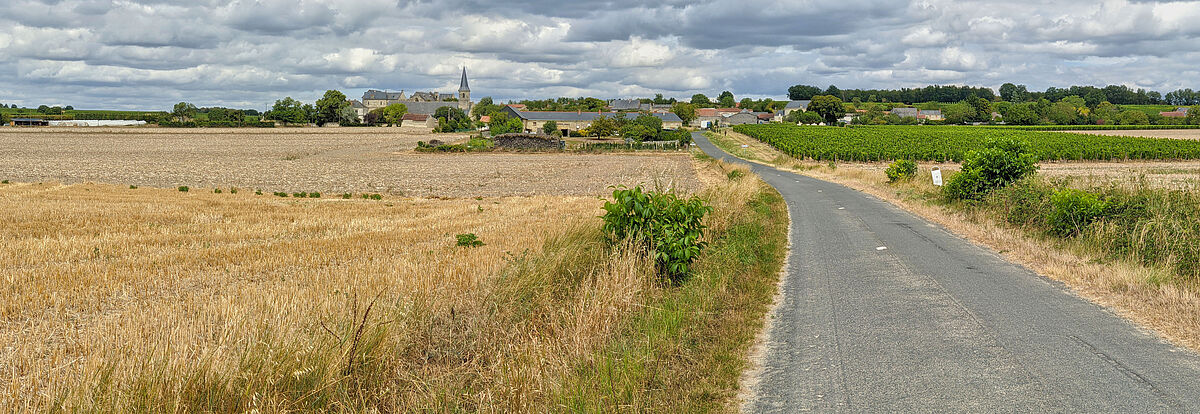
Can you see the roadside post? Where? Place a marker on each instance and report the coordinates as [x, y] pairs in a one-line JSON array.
[[937, 176]]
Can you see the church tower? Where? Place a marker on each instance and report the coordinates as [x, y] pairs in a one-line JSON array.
[[464, 93]]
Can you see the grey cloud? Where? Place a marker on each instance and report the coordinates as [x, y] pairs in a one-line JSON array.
[[150, 54]]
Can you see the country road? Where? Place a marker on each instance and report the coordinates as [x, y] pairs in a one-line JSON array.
[[882, 311]]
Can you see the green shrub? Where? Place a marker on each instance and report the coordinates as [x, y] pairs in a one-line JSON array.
[[232, 190], [216, 191], [184, 188], [1000, 162], [281, 194], [132, 187], [670, 228], [376, 197], [347, 195], [300, 195], [314, 195], [901, 170], [468, 240], [257, 192], [4, 182], [735, 174], [1073, 210]]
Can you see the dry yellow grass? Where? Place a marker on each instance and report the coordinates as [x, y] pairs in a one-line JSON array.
[[1171, 309], [119, 299]]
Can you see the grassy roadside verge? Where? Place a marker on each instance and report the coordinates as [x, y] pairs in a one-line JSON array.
[[1098, 264], [686, 348]]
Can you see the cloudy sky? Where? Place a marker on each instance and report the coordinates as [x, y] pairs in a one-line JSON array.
[[150, 54]]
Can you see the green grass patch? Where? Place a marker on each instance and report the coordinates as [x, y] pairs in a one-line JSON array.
[[685, 350]]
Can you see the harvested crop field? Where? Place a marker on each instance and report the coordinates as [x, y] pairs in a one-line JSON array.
[[333, 160], [1193, 134], [154, 300]]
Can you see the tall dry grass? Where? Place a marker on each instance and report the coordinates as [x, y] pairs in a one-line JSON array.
[[123, 300]]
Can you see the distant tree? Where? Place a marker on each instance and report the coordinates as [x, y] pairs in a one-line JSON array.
[[485, 107], [310, 113], [653, 123], [1063, 113], [833, 91], [1133, 117], [330, 106], [183, 110], [348, 116], [828, 107], [958, 113], [659, 100], [288, 111], [603, 126], [393, 114], [802, 92], [69, 108], [1013, 93], [1193, 116], [502, 124], [374, 117], [982, 108], [1105, 113], [803, 117], [1021, 114], [746, 103], [43, 109], [701, 101], [4, 120], [1095, 97], [451, 119], [725, 99], [685, 111], [551, 128]]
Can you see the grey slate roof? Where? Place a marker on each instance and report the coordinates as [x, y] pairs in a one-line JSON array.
[[802, 105], [354, 103], [932, 112], [381, 95], [578, 116], [427, 108], [625, 104], [905, 112], [462, 85]]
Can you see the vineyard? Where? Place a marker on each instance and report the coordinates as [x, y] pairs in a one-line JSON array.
[[1090, 127], [950, 143]]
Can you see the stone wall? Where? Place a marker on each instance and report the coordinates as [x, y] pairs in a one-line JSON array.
[[527, 142]]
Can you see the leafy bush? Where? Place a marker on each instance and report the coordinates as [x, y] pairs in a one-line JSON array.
[[216, 191], [1001, 162], [232, 190], [347, 195], [468, 240], [300, 195], [183, 188], [670, 228], [314, 195], [1073, 210], [901, 170], [257, 192], [281, 194], [735, 174], [131, 187]]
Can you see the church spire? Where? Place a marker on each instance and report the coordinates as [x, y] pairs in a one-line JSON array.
[[462, 86]]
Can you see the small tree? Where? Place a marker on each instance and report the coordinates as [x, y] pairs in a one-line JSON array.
[[551, 128], [828, 107], [183, 110], [701, 101], [725, 99], [393, 114], [685, 111], [603, 126], [329, 107]]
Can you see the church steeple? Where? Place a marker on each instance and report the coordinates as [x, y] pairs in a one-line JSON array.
[[462, 86], [464, 93]]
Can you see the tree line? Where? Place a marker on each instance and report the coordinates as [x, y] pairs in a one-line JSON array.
[[1114, 94]]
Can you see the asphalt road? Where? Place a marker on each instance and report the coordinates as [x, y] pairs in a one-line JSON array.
[[883, 311]]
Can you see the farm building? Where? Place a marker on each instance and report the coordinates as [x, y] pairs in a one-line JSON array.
[[793, 106], [574, 121], [424, 103], [421, 120], [29, 122], [1180, 112]]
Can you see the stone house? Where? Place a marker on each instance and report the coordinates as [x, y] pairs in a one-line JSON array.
[[534, 121]]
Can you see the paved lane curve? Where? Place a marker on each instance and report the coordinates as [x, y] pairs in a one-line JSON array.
[[883, 311]]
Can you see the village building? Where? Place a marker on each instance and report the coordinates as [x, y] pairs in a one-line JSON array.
[[421, 103], [534, 121], [1180, 112]]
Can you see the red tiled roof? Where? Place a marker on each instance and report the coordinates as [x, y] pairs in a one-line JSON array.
[[518, 106], [706, 112], [485, 119], [1173, 114]]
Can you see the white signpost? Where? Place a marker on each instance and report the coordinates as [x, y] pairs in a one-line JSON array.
[[937, 176]]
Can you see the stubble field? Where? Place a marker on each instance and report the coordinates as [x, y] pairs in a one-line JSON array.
[[377, 160]]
